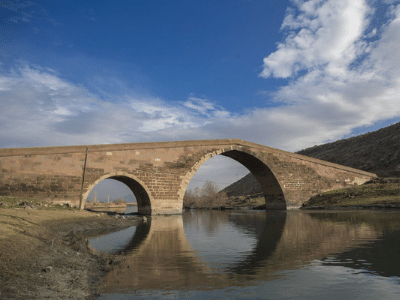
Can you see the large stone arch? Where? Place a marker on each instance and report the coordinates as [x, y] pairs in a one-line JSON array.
[[273, 194], [138, 188]]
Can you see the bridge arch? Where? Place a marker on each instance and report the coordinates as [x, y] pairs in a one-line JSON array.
[[269, 184], [138, 188]]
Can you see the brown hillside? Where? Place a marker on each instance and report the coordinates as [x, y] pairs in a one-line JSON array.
[[376, 152], [248, 185]]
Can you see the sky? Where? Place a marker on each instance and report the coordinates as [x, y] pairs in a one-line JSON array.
[[285, 74]]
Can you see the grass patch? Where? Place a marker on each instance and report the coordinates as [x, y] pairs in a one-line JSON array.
[[259, 201], [379, 193], [244, 201]]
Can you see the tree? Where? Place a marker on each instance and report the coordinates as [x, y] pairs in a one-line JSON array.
[[191, 197], [208, 193], [209, 190], [207, 196]]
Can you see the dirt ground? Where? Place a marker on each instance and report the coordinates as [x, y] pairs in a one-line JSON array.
[[43, 252]]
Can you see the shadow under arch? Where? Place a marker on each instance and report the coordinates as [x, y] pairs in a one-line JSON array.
[[272, 191], [138, 188]]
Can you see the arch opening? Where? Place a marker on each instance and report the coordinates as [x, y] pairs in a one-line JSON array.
[[137, 188], [271, 190], [141, 195], [207, 187]]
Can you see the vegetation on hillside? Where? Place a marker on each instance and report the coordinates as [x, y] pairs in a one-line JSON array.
[[381, 192], [376, 152], [209, 197]]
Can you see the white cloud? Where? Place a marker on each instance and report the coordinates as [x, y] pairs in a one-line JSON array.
[[205, 107], [350, 78], [347, 81], [200, 105], [41, 109], [322, 35], [158, 115]]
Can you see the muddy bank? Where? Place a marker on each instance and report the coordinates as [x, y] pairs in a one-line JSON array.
[[44, 253]]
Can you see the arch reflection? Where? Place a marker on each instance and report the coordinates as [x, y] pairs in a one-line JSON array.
[[235, 242], [268, 228], [166, 254]]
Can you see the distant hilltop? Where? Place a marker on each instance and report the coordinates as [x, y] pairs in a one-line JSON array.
[[376, 152]]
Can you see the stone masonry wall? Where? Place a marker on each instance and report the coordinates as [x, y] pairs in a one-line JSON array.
[[43, 174]]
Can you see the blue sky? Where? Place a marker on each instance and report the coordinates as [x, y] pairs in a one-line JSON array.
[[286, 74]]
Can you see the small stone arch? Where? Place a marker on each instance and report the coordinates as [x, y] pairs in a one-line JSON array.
[[269, 184], [138, 188]]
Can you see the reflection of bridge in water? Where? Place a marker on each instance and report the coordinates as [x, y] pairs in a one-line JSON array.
[[160, 255]]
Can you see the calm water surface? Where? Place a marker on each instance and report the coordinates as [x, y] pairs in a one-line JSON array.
[[256, 255]]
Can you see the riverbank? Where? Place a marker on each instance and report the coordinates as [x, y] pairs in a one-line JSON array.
[[43, 251], [379, 193], [105, 205], [236, 202]]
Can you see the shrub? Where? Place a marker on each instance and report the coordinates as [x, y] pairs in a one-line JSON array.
[[119, 201]]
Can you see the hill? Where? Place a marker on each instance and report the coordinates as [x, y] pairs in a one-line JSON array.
[[247, 185], [129, 198], [377, 152]]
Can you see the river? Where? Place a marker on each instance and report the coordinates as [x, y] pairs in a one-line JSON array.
[[206, 254]]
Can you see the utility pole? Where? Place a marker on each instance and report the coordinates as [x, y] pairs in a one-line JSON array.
[[81, 204]]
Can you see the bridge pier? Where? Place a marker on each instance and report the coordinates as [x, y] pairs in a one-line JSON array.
[[166, 207], [275, 202]]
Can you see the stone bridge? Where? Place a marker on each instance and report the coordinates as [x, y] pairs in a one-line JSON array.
[[159, 173]]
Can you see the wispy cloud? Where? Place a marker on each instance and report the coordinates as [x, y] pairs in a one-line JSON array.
[[15, 12], [205, 107], [343, 73], [39, 108]]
